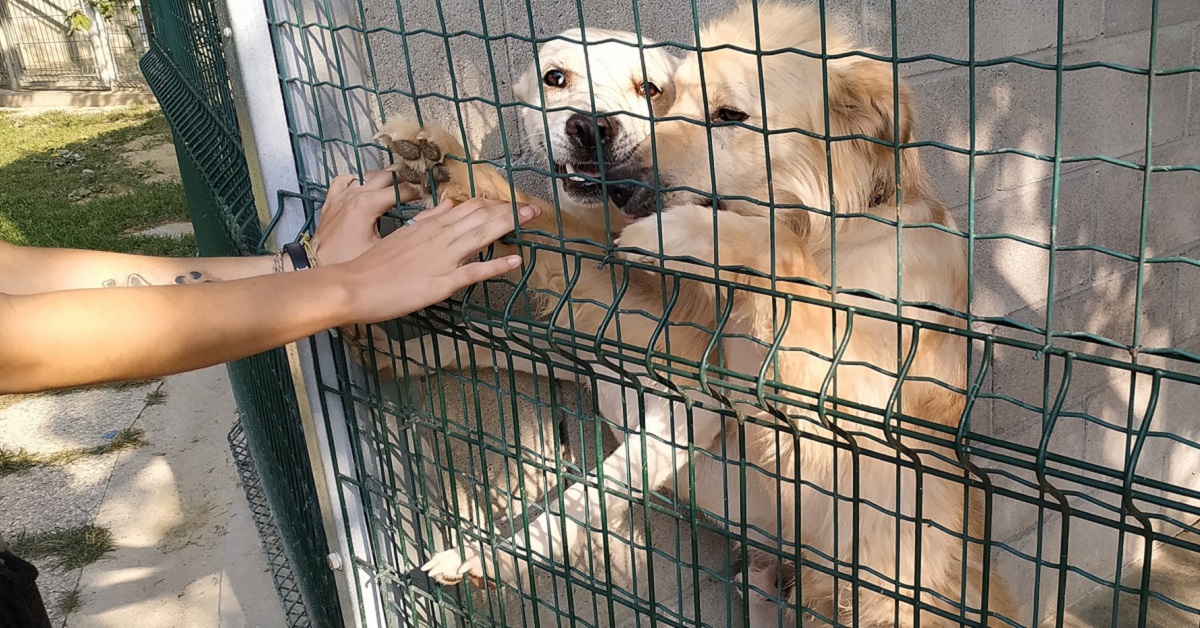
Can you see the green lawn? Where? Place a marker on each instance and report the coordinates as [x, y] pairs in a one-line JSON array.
[[50, 197]]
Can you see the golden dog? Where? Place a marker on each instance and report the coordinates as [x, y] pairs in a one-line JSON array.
[[895, 510]]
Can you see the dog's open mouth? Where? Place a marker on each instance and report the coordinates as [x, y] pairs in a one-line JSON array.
[[582, 178]]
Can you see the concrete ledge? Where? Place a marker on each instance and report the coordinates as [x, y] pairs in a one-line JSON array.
[[51, 98]]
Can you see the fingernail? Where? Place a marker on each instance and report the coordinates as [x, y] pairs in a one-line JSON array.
[[529, 211], [514, 261]]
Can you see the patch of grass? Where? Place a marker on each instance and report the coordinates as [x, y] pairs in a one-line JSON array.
[[15, 461], [64, 548], [156, 397], [69, 602], [48, 197], [128, 438]]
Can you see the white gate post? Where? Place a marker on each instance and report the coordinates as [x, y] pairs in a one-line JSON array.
[[8, 54], [102, 54], [247, 39]]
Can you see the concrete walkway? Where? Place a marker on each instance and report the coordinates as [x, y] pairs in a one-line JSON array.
[[187, 550], [57, 99]]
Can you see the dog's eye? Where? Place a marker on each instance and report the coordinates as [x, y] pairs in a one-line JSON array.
[[555, 78], [729, 114], [648, 88]]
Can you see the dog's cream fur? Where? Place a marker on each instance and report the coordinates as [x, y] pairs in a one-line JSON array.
[[933, 270], [861, 459]]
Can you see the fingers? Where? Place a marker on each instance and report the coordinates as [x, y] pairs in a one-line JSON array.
[[408, 192], [378, 202], [341, 182], [338, 186], [378, 179], [476, 272], [386, 180], [440, 209], [484, 227], [374, 181], [471, 207]]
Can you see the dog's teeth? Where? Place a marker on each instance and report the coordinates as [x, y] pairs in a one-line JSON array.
[[570, 170]]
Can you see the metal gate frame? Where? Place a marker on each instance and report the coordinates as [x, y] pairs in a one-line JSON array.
[[257, 84]]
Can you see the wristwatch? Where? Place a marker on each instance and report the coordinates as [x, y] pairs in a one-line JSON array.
[[295, 251]]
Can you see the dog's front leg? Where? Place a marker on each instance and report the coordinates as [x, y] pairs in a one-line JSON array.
[[646, 460]]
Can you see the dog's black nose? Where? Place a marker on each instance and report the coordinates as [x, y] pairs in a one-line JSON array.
[[583, 130], [628, 190], [621, 193]]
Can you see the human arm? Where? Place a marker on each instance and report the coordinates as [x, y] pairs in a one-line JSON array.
[[75, 337], [33, 270], [341, 236]]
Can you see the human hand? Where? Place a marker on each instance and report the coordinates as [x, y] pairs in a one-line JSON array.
[[347, 227], [423, 263]]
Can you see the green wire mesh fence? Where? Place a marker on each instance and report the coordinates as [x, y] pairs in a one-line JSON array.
[[735, 408], [186, 69]]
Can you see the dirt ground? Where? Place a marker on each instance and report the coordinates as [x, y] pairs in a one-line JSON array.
[[184, 550], [158, 153]]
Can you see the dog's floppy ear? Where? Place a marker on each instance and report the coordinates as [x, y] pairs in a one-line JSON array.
[[862, 102], [526, 87], [861, 97]]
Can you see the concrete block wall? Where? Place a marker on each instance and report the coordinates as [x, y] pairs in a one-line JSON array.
[[1103, 113]]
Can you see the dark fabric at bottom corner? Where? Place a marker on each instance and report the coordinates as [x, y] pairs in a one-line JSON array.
[[21, 604]]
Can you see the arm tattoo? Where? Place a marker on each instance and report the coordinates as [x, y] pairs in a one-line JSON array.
[[194, 276], [135, 280]]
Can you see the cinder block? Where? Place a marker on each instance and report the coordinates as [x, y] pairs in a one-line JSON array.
[[332, 113], [1107, 308], [670, 21], [1173, 218], [1170, 454], [1032, 210], [1103, 110], [1021, 375], [1194, 105], [1104, 309], [666, 21], [1034, 575], [943, 115], [979, 420], [1182, 460], [1172, 321], [1126, 17], [1008, 277], [446, 68], [1093, 551], [1003, 28]]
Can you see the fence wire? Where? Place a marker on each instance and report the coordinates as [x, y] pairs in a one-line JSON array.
[[732, 412]]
